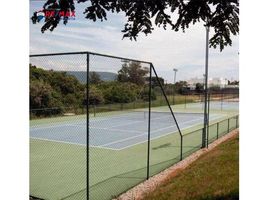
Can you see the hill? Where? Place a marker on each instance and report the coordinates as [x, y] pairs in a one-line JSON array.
[[82, 75]]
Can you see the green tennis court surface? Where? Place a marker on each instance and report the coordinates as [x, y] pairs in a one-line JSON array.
[[117, 154]]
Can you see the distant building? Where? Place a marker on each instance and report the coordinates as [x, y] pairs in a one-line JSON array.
[[219, 82], [193, 81]]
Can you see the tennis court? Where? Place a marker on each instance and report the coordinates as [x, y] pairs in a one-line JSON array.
[[118, 156], [117, 131], [117, 149]]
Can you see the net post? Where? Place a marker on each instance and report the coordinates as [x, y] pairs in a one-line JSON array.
[[149, 124], [87, 131]]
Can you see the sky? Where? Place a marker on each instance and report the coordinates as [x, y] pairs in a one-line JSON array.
[[166, 49]]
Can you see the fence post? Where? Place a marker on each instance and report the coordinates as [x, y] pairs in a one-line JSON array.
[[236, 122], [87, 131], [228, 125], [208, 118], [149, 124], [181, 146], [217, 130]]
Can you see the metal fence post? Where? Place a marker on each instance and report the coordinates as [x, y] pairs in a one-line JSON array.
[[87, 131], [181, 146], [208, 119], [218, 130], [206, 91], [228, 125], [149, 124]]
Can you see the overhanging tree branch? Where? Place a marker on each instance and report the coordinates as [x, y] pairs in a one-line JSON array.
[[223, 15]]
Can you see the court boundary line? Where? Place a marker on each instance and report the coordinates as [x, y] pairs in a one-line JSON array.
[[104, 146], [145, 133], [114, 142], [72, 143], [160, 136]]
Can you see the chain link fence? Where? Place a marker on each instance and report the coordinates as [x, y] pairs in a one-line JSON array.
[[101, 124]]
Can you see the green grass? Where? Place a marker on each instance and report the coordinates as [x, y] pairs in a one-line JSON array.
[[213, 176]]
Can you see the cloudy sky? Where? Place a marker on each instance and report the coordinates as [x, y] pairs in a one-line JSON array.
[[165, 48]]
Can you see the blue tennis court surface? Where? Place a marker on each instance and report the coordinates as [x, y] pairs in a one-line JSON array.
[[118, 131]]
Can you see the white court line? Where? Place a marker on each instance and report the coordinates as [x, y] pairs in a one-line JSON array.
[[201, 118], [145, 133], [38, 127], [55, 126], [161, 136], [214, 116], [119, 130], [133, 122], [118, 141], [110, 127], [122, 125], [103, 118], [93, 120], [75, 125], [73, 143]]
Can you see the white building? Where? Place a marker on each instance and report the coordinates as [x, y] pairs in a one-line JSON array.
[[220, 82]]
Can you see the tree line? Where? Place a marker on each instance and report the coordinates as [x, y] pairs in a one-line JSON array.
[[51, 91]]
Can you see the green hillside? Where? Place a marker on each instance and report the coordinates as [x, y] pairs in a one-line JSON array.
[[82, 75]]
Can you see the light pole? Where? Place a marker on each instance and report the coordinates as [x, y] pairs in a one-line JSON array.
[[204, 136], [175, 71]]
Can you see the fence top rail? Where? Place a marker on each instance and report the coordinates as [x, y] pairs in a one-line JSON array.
[[58, 54], [199, 129], [91, 53]]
